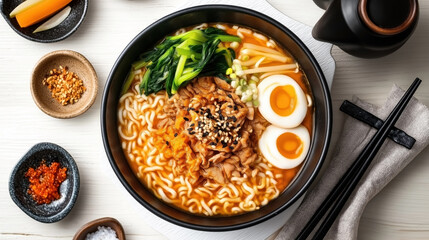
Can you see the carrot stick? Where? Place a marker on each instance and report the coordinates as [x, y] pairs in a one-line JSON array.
[[40, 11]]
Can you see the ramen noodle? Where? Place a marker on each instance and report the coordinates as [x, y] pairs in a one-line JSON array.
[[199, 149]]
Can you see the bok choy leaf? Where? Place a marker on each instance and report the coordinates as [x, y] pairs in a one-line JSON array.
[[179, 59]]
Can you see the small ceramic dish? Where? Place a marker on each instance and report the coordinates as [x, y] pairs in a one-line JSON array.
[[69, 189], [93, 227], [60, 32], [76, 63]]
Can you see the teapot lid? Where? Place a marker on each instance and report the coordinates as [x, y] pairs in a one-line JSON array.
[[387, 17]]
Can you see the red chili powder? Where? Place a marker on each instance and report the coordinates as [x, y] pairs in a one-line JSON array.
[[45, 181]]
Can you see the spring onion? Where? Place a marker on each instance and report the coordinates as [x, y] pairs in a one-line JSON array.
[[179, 59]]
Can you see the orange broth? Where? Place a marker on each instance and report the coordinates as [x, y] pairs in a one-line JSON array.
[[287, 174]]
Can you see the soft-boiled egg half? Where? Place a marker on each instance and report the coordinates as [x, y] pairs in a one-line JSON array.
[[285, 148], [282, 102]]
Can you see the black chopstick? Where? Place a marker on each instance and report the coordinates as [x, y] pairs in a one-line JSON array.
[[344, 188], [397, 135]]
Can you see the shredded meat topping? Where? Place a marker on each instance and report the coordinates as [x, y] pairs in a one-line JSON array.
[[223, 130]]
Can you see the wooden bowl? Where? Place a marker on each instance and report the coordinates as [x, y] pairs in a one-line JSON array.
[[75, 62], [93, 225]]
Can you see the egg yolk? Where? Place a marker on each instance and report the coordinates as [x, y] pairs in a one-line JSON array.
[[283, 100], [289, 145]]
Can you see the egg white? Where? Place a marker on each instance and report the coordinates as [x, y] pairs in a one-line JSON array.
[[265, 89], [268, 146]]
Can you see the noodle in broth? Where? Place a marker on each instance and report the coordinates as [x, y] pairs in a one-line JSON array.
[[146, 125]]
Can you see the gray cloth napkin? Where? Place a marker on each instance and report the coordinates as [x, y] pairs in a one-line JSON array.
[[390, 160]]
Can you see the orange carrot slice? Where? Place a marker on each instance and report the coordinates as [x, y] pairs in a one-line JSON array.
[[40, 11]]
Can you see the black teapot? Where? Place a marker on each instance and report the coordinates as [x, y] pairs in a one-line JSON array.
[[366, 28]]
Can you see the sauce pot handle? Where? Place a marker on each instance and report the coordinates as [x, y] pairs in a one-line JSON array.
[[324, 4]]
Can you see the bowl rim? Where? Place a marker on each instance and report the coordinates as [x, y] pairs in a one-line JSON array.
[[34, 39], [75, 187], [326, 96]]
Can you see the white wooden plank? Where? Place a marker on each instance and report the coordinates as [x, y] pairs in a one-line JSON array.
[[398, 212]]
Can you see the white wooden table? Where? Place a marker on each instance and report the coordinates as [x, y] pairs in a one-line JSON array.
[[400, 211]]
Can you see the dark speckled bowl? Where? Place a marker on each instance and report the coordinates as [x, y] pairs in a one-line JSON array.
[[60, 32], [69, 189]]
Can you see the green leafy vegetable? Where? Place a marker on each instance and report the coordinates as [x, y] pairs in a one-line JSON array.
[[179, 59]]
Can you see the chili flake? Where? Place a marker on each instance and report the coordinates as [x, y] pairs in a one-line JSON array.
[[66, 87], [45, 181]]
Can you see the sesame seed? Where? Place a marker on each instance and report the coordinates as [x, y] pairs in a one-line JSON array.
[[186, 119]]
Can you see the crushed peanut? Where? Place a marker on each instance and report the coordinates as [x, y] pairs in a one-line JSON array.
[[66, 87]]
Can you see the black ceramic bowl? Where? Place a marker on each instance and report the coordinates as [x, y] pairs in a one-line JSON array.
[[60, 32], [69, 189], [228, 14]]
